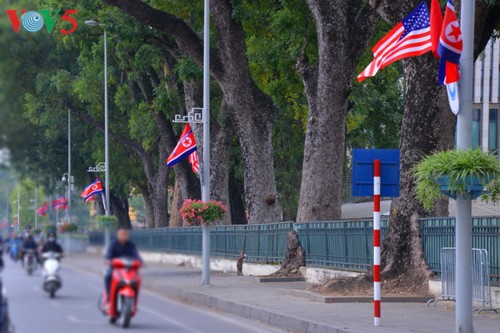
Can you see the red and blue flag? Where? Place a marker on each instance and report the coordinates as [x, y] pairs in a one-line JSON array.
[[185, 147], [43, 209], [60, 202], [450, 46], [91, 190]]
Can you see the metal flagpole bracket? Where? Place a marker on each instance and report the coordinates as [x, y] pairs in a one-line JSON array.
[[195, 116], [100, 167]]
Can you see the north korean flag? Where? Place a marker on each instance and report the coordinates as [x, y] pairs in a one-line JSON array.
[[185, 147], [60, 202], [43, 209], [91, 190], [450, 46]]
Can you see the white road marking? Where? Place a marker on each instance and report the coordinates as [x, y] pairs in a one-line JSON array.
[[75, 320], [74, 306], [169, 320]]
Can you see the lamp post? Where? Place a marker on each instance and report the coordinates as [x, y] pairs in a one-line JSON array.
[[107, 209], [463, 235], [195, 117], [18, 185], [205, 179], [69, 180]]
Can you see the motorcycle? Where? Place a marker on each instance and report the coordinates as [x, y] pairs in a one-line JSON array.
[[30, 261], [14, 251], [5, 323], [124, 293], [51, 279]]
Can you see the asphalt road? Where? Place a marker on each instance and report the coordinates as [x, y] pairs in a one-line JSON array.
[[75, 309]]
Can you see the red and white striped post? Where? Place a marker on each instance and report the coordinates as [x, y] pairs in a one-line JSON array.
[[376, 243]]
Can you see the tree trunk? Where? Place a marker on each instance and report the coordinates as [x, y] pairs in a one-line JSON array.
[[252, 113], [148, 206], [421, 134], [160, 190], [175, 215], [294, 258], [119, 208], [237, 206], [327, 87]]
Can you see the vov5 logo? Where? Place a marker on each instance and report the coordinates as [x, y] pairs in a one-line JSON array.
[[34, 21]]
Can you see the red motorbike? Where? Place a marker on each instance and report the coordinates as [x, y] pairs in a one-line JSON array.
[[124, 293]]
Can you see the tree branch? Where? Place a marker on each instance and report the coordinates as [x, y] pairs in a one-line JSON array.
[[127, 143], [185, 37]]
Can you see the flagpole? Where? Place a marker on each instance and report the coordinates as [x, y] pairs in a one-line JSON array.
[[463, 235]]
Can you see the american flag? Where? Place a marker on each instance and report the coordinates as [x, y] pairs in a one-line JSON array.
[[195, 162], [410, 38]]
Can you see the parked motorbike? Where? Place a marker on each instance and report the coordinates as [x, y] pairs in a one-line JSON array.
[[30, 263], [124, 293], [51, 278]]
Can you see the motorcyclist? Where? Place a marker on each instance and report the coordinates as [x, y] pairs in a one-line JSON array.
[[29, 244], [121, 247], [2, 243], [51, 245]]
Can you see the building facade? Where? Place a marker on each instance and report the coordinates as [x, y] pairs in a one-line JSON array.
[[485, 113]]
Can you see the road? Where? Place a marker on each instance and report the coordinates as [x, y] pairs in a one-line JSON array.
[[75, 309]]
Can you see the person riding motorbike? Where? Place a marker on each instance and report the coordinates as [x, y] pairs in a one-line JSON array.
[[121, 247], [51, 245], [29, 244]]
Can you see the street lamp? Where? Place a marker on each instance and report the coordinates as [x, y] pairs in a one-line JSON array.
[[194, 117], [107, 209], [69, 180]]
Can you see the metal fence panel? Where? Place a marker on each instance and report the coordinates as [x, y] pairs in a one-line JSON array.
[[336, 244], [74, 243], [481, 288]]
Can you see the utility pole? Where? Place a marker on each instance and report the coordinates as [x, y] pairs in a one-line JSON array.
[[18, 184], [205, 179], [463, 234], [70, 182], [35, 204]]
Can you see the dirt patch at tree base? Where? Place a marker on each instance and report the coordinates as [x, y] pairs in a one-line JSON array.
[[403, 285]]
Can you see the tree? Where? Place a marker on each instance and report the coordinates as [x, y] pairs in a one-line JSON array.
[[251, 111], [328, 85], [428, 126]]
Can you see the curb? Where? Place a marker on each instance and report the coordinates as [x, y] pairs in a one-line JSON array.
[[272, 318], [312, 296]]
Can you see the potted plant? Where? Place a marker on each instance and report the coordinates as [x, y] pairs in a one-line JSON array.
[[68, 228], [457, 173], [110, 222], [197, 212]]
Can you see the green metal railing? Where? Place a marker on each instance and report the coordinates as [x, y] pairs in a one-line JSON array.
[[262, 243], [440, 232], [338, 244], [344, 245]]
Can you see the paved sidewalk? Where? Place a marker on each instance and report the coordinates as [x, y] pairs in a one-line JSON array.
[[274, 304]]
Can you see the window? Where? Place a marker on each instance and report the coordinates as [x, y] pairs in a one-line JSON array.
[[493, 131], [476, 128]]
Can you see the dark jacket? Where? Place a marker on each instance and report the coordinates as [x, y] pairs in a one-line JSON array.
[[52, 247], [117, 250], [29, 245]]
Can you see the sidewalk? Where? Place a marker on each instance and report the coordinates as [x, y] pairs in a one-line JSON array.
[[280, 304]]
